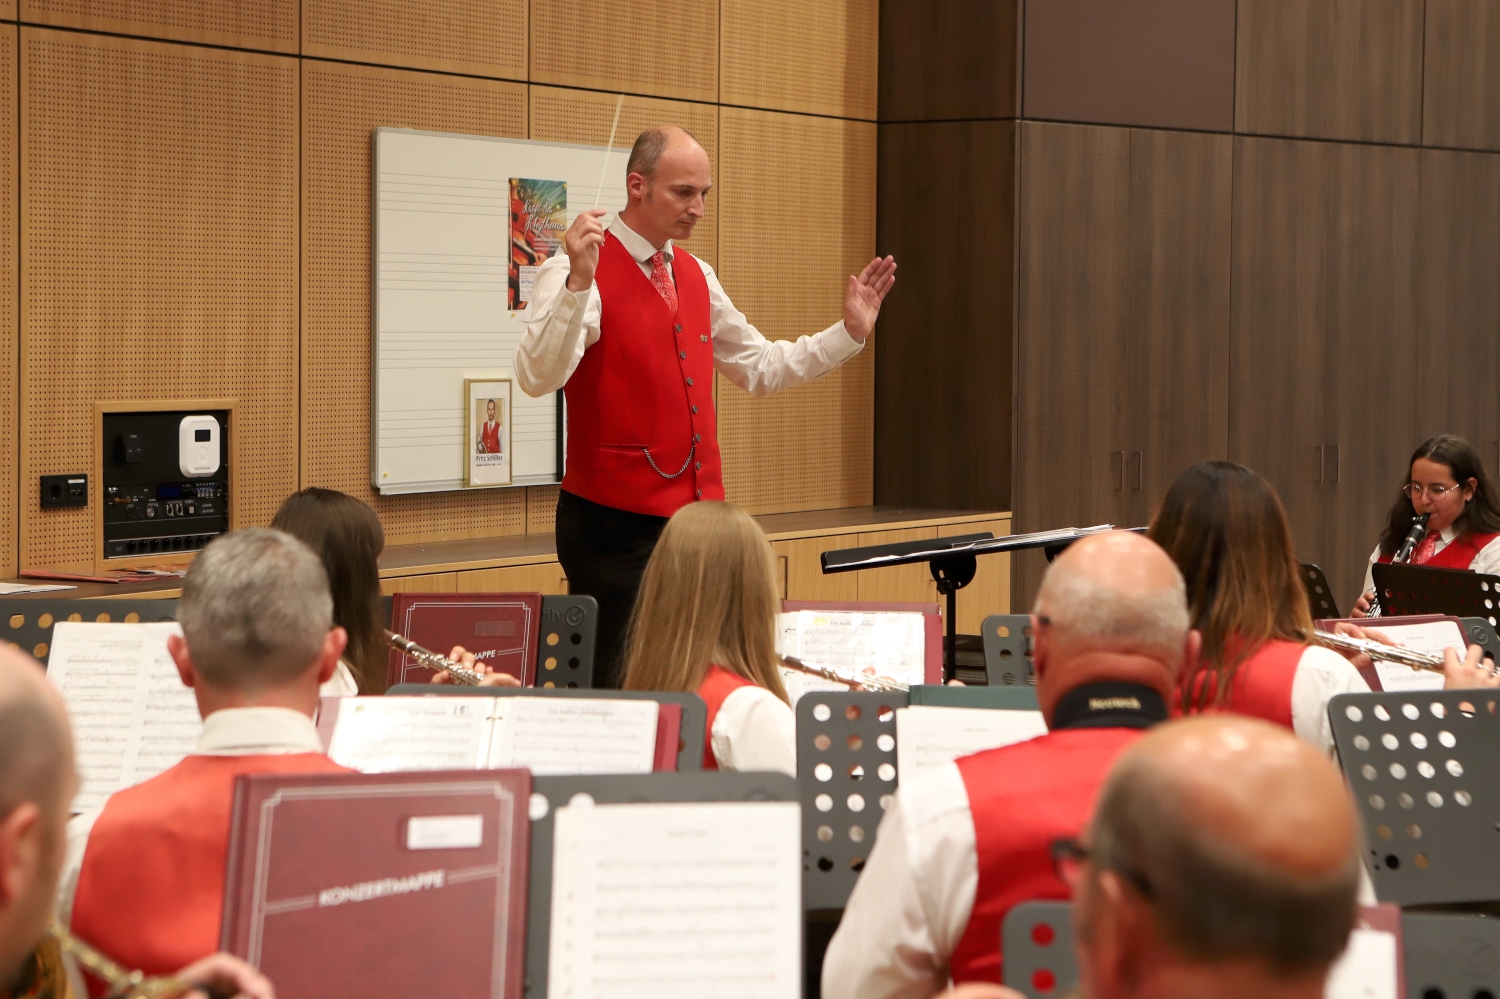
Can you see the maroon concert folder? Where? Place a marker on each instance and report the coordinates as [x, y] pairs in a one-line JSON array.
[[408, 884], [932, 620], [668, 737], [501, 629]]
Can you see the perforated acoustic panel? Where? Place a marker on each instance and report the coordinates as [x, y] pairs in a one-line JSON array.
[[815, 56], [582, 116], [342, 105], [638, 46], [159, 249], [483, 37], [8, 373], [251, 24], [797, 217]]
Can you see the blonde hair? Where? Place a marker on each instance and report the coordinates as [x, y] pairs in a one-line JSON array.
[[709, 596]]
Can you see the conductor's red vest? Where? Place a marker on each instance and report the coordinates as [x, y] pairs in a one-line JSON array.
[[151, 889], [1458, 553], [1022, 798], [1262, 684], [641, 432], [718, 683]]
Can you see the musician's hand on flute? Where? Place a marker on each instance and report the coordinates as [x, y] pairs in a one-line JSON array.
[[1469, 673], [488, 678], [1359, 659], [225, 975]]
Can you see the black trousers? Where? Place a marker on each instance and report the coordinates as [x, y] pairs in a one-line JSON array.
[[603, 552]]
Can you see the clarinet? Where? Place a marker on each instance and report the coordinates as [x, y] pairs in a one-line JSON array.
[[432, 660], [1403, 554]]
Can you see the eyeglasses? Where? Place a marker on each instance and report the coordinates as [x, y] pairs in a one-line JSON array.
[[1069, 857], [1437, 492]]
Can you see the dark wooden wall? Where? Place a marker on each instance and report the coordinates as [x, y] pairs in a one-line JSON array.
[[1262, 230]]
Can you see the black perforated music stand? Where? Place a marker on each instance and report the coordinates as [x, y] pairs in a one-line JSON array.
[[1036, 947], [565, 649], [1424, 767], [1319, 593], [1421, 589], [1007, 650], [618, 789], [1453, 955], [690, 737], [28, 623]]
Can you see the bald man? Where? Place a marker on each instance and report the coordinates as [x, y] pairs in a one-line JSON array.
[[633, 328], [37, 783], [964, 843]]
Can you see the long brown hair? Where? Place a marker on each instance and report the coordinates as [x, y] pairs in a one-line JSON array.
[[1481, 514], [1225, 528], [709, 596], [348, 537]]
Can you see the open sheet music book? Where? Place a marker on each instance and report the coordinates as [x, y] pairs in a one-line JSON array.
[[1427, 636], [546, 735], [893, 643], [676, 901], [132, 717], [928, 736]]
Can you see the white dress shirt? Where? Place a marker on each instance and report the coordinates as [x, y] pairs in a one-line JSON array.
[[1487, 560], [230, 732], [562, 324], [341, 684], [755, 730], [1321, 673]]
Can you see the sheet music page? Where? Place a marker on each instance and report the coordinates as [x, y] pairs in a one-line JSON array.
[[676, 901], [928, 736], [384, 734], [1367, 970], [1434, 637], [553, 735], [132, 717], [892, 643]]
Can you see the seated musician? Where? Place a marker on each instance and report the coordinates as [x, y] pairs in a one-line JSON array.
[[37, 783], [145, 875], [1222, 861], [1446, 481], [961, 845], [705, 621]]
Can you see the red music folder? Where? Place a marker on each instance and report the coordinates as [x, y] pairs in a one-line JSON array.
[[932, 620], [407, 884], [501, 629]]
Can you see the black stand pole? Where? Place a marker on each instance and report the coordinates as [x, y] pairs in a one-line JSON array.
[[951, 575]]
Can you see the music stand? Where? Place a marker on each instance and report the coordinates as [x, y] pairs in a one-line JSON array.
[[1422, 589], [1451, 954], [565, 646], [1319, 593], [1007, 650], [1424, 769], [1036, 949], [28, 623]]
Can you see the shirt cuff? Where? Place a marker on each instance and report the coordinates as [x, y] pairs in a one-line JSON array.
[[841, 346]]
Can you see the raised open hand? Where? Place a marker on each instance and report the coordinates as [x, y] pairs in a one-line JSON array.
[[865, 293]]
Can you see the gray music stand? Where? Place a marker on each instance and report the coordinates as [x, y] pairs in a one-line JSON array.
[[1319, 593], [1478, 631], [1424, 768], [690, 736], [1036, 947], [28, 623], [565, 649], [1007, 650], [1451, 955], [615, 789]]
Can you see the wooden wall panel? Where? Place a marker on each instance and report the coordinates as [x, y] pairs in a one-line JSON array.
[[1461, 84], [946, 210], [813, 56], [811, 447], [636, 46], [342, 105], [483, 37], [584, 116], [256, 24], [9, 385], [158, 249], [948, 60], [1330, 69]]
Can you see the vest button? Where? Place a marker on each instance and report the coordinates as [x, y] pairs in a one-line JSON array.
[[699, 494], [677, 328], [695, 409], [703, 338], [690, 381], [697, 438], [682, 354], [698, 467]]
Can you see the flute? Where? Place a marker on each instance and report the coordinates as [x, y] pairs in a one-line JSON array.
[[432, 660], [1425, 661], [862, 681]]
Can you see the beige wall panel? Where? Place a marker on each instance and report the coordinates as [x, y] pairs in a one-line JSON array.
[[342, 105], [433, 582], [541, 509], [483, 37], [638, 46], [159, 235], [545, 577], [8, 9], [251, 24], [804, 572], [9, 387], [814, 56], [904, 583], [989, 593], [580, 116], [810, 448]]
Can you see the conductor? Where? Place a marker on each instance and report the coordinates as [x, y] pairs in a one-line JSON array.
[[633, 329]]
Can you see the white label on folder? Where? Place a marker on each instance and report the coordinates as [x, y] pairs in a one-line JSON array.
[[444, 832]]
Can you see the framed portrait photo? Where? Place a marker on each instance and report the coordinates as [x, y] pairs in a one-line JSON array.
[[486, 432]]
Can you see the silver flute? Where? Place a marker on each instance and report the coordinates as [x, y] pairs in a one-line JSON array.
[[1427, 661], [432, 660], [861, 681]]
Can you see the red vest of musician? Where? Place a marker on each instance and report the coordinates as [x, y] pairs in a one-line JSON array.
[[1261, 687], [718, 683], [641, 433], [1022, 798], [1458, 553], [151, 889]]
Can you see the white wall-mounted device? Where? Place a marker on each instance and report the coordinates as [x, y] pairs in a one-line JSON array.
[[198, 446]]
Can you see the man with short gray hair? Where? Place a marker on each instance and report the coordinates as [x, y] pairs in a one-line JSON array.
[[963, 843], [144, 880]]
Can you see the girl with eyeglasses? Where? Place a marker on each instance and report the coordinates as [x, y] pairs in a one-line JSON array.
[[1445, 480]]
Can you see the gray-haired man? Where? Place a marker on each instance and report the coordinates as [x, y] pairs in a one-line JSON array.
[[144, 880]]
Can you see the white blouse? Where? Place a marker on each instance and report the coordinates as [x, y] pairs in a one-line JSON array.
[[755, 730]]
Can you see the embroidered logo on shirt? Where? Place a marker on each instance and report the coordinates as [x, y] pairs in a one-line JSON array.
[[1114, 704]]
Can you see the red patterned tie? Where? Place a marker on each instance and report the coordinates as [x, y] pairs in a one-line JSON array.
[[1425, 549], [661, 278]]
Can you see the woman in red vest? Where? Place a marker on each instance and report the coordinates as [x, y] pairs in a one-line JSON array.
[[1225, 528], [1446, 481], [705, 622]]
